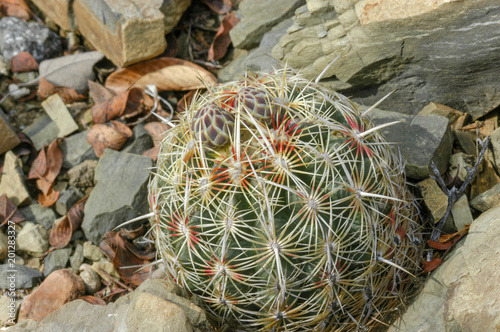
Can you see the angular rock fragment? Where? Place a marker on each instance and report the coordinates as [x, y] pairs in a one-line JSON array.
[[8, 138]]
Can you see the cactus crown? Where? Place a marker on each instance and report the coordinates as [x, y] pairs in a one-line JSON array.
[[281, 206]]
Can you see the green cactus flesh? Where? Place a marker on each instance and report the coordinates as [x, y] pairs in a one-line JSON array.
[[280, 205]]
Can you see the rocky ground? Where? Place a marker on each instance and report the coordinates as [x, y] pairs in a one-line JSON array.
[[77, 139]]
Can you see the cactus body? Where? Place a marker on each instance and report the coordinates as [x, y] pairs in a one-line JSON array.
[[288, 212]]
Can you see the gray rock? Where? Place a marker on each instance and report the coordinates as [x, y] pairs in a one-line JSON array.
[[32, 239], [73, 71], [40, 215], [91, 280], [172, 11], [420, 139], [82, 175], [434, 198], [56, 260], [42, 132], [119, 195], [466, 141], [76, 260], [495, 144], [258, 17], [67, 199], [258, 59], [24, 277], [487, 199], [18, 36], [10, 308], [76, 149], [140, 141], [461, 294], [426, 51], [154, 306]]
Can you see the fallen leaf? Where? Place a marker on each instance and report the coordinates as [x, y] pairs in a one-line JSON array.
[[166, 73], [430, 266], [113, 136], [127, 104], [185, 101], [48, 199], [17, 8], [125, 258], [132, 234], [99, 93], [68, 95], [457, 235], [60, 234], [222, 39], [219, 6], [152, 153], [8, 211], [92, 300], [39, 166], [23, 62], [439, 245], [157, 130]]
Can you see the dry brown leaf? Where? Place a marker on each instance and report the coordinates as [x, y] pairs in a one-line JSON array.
[[102, 136], [47, 89], [138, 103], [166, 73], [92, 300], [39, 166], [430, 266], [99, 93], [219, 6], [439, 245], [222, 40], [157, 130], [48, 199], [125, 257], [17, 8], [60, 234], [110, 109], [185, 102], [23, 62], [9, 211]]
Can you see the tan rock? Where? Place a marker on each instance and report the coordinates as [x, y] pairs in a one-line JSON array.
[[58, 11], [60, 287], [105, 269], [8, 138], [462, 293], [443, 110], [125, 31], [12, 182], [434, 198], [59, 113]]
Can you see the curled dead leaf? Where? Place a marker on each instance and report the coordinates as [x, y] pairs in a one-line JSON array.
[[157, 130], [166, 73], [127, 104], [48, 199], [113, 136], [47, 89], [99, 93], [9, 211], [60, 234], [23, 62], [222, 39], [126, 258], [431, 266]]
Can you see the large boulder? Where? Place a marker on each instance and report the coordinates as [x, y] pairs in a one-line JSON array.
[[443, 51], [462, 294]]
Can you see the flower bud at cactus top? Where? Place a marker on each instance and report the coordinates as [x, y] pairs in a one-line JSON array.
[[281, 206]]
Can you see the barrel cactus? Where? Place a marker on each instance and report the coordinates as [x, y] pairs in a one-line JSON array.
[[280, 205]]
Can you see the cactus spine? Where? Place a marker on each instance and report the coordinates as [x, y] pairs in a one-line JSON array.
[[280, 205]]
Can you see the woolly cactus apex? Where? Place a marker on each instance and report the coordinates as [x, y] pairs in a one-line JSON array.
[[297, 219]]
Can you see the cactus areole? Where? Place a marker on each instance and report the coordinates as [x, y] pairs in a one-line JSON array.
[[280, 205]]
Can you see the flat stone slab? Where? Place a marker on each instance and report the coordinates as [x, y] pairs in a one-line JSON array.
[[8, 138], [120, 193]]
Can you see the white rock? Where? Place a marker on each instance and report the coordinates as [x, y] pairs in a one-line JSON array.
[[33, 239]]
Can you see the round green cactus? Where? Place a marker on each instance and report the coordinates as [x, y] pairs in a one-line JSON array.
[[281, 206]]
